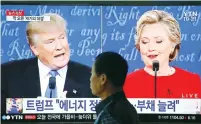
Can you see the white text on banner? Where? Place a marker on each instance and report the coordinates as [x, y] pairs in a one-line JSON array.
[[27, 18]]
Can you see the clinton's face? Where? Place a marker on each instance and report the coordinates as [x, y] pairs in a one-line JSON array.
[[155, 44]]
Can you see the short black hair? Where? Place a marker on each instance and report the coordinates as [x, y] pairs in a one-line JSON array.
[[113, 65]]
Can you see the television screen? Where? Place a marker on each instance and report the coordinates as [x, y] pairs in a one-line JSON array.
[[91, 30]]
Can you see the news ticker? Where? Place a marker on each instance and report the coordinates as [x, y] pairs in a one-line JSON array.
[[79, 117]]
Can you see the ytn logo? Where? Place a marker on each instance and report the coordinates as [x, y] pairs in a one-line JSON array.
[[16, 117], [12, 117], [4, 117]]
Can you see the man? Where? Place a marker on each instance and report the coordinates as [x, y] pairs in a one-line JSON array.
[[108, 75], [51, 74]]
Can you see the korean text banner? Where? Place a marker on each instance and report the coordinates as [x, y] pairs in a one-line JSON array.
[[87, 105]]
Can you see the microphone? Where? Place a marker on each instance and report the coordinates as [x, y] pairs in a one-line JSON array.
[[52, 84], [155, 66]]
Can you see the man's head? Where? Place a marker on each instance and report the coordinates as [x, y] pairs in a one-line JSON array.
[[109, 71], [48, 41]]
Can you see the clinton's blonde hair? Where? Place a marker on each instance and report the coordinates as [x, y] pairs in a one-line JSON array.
[[158, 16], [35, 27]]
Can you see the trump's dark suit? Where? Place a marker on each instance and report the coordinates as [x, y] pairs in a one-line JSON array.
[[20, 79]]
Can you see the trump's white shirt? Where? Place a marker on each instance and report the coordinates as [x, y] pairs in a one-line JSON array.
[[44, 79]]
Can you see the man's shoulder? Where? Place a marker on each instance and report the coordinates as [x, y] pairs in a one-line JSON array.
[[123, 111], [76, 66], [19, 63], [125, 105], [79, 72]]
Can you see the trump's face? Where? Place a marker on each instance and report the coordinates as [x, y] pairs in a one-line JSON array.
[[52, 48], [155, 44]]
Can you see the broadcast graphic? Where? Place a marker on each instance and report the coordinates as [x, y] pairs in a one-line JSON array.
[[173, 43], [14, 105], [18, 15]]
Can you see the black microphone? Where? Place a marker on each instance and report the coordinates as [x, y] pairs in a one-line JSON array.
[[52, 84], [155, 66]]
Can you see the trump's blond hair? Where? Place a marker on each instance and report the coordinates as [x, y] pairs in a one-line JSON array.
[[37, 27]]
